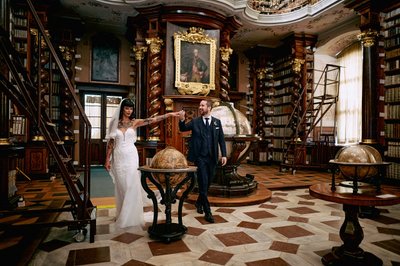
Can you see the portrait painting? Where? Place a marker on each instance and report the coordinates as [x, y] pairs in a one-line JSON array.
[[195, 62], [105, 58]]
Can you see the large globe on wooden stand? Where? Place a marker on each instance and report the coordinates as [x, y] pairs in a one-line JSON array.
[[238, 138], [169, 158], [234, 123], [358, 154]]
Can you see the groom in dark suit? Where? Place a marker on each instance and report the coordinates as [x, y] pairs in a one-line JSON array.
[[207, 135]]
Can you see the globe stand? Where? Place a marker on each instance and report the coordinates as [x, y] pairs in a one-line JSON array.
[[167, 231], [227, 181], [351, 232], [355, 179], [352, 235]]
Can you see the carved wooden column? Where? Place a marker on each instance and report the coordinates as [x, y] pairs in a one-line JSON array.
[[297, 125], [139, 52], [4, 107], [296, 92], [225, 52], [42, 79], [154, 96], [229, 30], [4, 110], [4, 121], [260, 114], [66, 99]]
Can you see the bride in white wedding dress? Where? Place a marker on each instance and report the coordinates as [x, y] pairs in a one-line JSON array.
[[122, 161]]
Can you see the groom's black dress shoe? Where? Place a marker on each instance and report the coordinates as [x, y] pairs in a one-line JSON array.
[[199, 208], [209, 218]]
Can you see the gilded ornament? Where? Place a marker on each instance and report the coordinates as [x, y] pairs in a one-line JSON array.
[[139, 52], [195, 35], [225, 53], [66, 52], [296, 64], [169, 104], [155, 44], [261, 73], [368, 38], [4, 141], [35, 32]]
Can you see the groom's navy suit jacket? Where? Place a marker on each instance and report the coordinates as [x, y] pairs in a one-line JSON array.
[[196, 144]]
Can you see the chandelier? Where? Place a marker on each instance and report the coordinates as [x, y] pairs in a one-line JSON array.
[[278, 6]]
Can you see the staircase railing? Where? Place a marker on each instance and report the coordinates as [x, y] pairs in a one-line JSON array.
[[26, 96]]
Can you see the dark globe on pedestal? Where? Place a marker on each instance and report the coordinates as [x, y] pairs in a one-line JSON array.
[[358, 154], [169, 158]]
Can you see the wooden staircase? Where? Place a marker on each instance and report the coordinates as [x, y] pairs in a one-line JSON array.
[[307, 117], [26, 94]]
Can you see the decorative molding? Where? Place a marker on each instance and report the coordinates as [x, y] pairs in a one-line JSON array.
[[279, 6], [294, 15], [194, 35]]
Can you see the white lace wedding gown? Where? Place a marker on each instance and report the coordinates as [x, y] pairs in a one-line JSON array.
[[129, 194]]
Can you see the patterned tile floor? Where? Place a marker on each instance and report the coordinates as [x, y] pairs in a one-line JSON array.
[[291, 228]]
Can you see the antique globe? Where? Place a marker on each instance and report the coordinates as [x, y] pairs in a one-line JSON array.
[[169, 158], [233, 122], [358, 154], [239, 142]]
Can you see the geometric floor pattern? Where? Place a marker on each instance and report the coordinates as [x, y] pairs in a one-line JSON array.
[[291, 228]]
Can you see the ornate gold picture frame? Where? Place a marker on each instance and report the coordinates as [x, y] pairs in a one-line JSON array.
[[195, 55]]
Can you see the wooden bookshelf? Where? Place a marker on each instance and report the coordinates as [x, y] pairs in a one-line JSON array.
[[391, 25]]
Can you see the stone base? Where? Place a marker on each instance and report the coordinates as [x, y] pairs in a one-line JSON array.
[[260, 195], [241, 190]]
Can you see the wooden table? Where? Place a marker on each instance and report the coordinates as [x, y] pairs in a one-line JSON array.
[[351, 232]]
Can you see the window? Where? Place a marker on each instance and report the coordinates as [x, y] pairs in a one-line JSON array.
[[350, 96], [99, 108], [94, 109]]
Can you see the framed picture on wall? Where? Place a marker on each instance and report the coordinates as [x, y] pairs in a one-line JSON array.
[[105, 58], [195, 55]]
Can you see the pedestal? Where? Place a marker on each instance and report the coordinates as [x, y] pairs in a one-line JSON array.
[[227, 182], [351, 232], [167, 231]]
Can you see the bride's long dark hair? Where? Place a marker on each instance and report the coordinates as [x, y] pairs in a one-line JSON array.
[[129, 103]]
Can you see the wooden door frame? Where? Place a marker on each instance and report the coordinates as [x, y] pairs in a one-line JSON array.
[[103, 91]]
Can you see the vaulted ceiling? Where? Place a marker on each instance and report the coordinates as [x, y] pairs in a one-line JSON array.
[[335, 25]]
